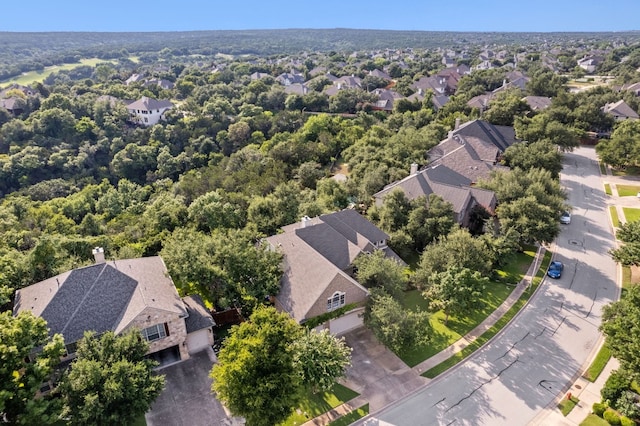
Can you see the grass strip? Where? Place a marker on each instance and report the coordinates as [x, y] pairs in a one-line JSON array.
[[603, 169], [628, 190], [631, 214], [593, 420], [499, 325], [607, 189], [314, 405], [598, 364], [567, 404], [614, 216], [351, 417]]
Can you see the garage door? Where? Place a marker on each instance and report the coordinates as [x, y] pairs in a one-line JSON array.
[[198, 340], [349, 321]]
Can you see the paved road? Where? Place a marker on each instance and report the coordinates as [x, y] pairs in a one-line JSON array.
[[536, 358]]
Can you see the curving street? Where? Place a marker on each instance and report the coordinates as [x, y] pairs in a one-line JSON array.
[[539, 355]]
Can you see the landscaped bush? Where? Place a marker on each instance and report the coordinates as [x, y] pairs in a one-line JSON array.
[[614, 387], [626, 421], [599, 408], [626, 404], [611, 417]]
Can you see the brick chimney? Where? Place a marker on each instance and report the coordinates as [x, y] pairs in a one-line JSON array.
[[98, 254], [305, 221], [414, 169]]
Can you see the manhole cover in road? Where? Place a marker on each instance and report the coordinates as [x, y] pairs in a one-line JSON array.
[[575, 242]]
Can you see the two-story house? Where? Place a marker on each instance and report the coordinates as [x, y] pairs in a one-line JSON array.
[[147, 111]]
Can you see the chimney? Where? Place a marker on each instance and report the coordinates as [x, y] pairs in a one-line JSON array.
[[414, 169], [457, 123], [305, 221], [98, 254]]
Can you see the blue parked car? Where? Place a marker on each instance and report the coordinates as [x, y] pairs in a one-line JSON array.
[[555, 269]]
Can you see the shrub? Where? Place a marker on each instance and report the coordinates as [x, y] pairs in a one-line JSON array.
[[626, 421], [614, 387], [626, 404], [598, 408], [611, 417]]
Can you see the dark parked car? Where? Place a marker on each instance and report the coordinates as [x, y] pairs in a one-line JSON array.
[[555, 269]]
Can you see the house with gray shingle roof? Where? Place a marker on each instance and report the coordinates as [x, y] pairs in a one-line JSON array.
[[620, 111], [318, 266], [148, 111], [469, 153], [120, 295]]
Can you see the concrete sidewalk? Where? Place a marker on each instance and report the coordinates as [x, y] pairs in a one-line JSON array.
[[489, 322]]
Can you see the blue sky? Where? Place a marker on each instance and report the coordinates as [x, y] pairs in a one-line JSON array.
[[428, 15]]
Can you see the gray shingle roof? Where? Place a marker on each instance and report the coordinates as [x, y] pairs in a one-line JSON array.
[[316, 255], [149, 104], [199, 317], [101, 297]]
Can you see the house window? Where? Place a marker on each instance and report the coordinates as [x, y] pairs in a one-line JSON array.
[[335, 301], [155, 332]]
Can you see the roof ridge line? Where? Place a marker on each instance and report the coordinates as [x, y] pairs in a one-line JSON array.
[[86, 294]]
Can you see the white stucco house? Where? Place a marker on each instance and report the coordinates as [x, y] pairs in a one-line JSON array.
[[147, 111]]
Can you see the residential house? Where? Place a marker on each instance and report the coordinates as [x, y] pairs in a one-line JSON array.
[[380, 74], [634, 87], [14, 105], [481, 101], [258, 76], [118, 296], [287, 79], [469, 153], [537, 103], [26, 90], [620, 111], [386, 99], [135, 78], [345, 82], [318, 266], [160, 82], [147, 111], [296, 89], [447, 184], [590, 63]]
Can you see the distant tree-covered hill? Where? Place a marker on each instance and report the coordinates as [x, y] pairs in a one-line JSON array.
[[20, 52]]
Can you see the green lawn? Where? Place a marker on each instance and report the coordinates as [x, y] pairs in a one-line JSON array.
[[566, 405], [494, 295], [39, 76], [628, 171], [351, 417], [628, 190], [499, 325], [598, 364], [607, 189], [631, 214], [314, 405], [614, 216], [593, 420]]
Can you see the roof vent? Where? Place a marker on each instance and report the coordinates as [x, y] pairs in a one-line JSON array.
[[305, 221], [98, 254]]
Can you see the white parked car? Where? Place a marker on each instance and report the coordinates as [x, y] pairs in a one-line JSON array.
[[565, 218]]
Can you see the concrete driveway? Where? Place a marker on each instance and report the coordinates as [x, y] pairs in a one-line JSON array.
[[377, 373], [187, 399]]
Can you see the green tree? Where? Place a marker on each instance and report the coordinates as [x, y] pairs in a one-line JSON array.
[[322, 358], [505, 107], [543, 127], [541, 155], [629, 253], [429, 219], [621, 327], [455, 291], [256, 375], [457, 249], [375, 270], [623, 149], [111, 382], [22, 337], [397, 328]]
